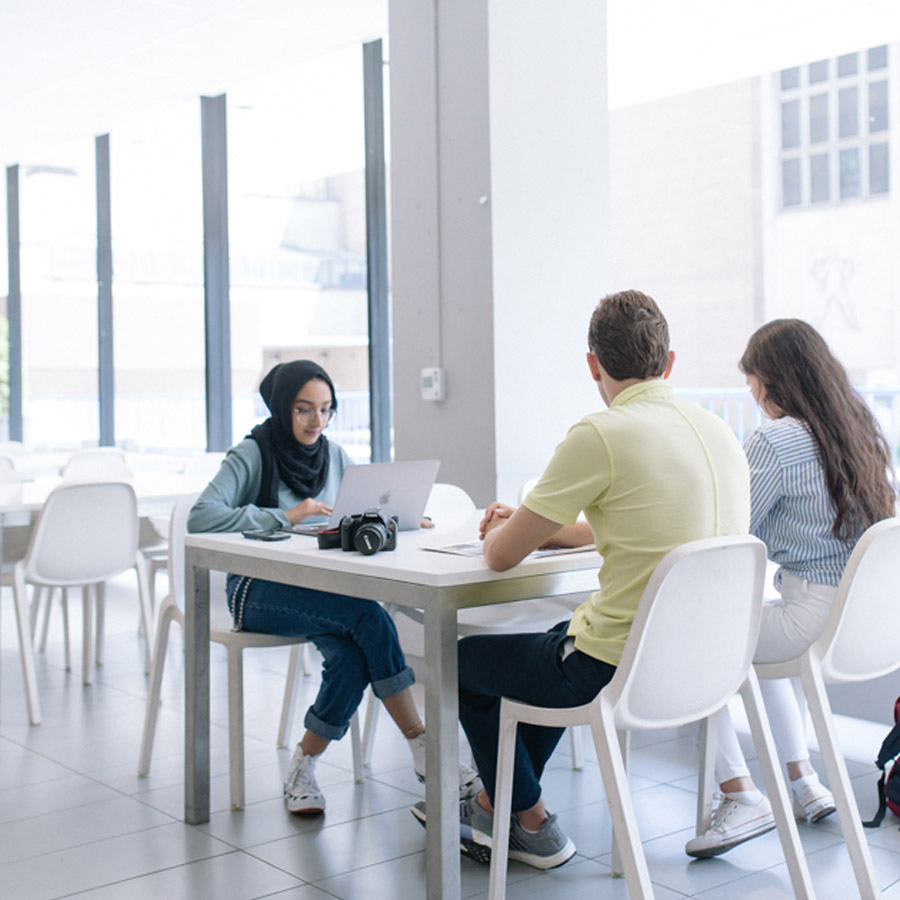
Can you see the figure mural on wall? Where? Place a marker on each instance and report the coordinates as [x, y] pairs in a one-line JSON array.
[[831, 274]]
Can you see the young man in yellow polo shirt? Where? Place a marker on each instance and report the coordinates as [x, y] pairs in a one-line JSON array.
[[650, 472]]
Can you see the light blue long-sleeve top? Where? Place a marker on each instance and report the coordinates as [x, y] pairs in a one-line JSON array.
[[228, 501], [791, 511]]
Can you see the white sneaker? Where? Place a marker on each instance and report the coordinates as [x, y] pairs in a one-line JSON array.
[[469, 780], [733, 823], [301, 791], [812, 802]]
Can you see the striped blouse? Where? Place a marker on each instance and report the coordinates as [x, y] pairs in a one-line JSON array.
[[791, 511]]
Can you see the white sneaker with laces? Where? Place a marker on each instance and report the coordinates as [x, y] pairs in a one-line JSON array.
[[469, 780], [812, 802], [301, 791], [733, 823]]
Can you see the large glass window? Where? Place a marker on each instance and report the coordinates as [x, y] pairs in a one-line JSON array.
[[157, 238], [835, 164], [58, 234], [298, 236]]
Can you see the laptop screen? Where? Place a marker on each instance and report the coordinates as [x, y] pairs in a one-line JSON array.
[[398, 489]]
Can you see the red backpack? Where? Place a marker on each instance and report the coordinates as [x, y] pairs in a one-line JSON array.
[[889, 783]]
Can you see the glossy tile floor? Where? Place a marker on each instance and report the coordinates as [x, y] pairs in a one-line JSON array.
[[76, 821]]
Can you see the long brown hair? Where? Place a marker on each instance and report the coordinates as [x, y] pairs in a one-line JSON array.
[[803, 379]]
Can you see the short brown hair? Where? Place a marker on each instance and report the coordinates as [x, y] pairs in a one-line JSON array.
[[629, 335]]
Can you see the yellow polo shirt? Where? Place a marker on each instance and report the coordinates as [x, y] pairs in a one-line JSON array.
[[650, 473]]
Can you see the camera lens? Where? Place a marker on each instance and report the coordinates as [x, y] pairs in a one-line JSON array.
[[370, 538]]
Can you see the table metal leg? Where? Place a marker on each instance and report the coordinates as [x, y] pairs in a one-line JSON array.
[[196, 702], [442, 754]]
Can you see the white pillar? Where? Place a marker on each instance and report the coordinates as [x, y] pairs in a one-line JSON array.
[[499, 181]]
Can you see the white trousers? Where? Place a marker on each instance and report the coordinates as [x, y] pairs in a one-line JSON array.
[[789, 626]]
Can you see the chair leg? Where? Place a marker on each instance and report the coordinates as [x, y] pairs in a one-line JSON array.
[[87, 634], [146, 609], [48, 604], [618, 795], [839, 782], [576, 743], [153, 691], [236, 727], [616, 865], [774, 782], [506, 751], [707, 775], [26, 651], [356, 748], [64, 602], [100, 593], [373, 709], [34, 608], [290, 691]]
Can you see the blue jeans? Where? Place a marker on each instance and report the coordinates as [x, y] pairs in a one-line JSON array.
[[357, 639], [530, 668]]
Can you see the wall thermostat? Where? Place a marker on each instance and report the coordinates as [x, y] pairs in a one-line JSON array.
[[433, 384]]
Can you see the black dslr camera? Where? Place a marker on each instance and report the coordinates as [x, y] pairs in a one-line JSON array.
[[368, 532]]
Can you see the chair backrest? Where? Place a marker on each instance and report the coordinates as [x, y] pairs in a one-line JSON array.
[[203, 465], [525, 489], [97, 464], [8, 474], [449, 505], [177, 532], [861, 637], [87, 532], [12, 448], [694, 634]]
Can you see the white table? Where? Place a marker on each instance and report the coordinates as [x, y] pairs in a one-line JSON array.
[[437, 583]]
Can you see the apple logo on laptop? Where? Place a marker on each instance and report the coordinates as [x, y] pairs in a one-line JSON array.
[[384, 499]]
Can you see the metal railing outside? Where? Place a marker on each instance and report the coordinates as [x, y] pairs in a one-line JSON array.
[[737, 407], [177, 422]]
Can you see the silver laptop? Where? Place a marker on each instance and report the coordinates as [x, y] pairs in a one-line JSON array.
[[398, 489]]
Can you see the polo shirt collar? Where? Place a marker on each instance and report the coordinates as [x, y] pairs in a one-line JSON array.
[[641, 389]]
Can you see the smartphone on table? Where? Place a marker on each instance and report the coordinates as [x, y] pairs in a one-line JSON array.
[[261, 534]]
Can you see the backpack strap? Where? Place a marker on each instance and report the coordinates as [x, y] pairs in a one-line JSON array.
[[878, 818]]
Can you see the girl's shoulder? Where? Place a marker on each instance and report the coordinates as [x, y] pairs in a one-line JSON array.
[[788, 437]]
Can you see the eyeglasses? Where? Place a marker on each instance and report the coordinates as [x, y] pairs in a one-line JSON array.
[[307, 413]]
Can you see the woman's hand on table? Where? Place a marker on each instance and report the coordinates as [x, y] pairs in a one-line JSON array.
[[307, 508]]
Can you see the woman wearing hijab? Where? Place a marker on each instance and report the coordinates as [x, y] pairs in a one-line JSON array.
[[285, 472]]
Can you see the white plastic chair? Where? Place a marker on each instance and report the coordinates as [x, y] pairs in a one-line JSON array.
[[235, 642], [676, 668], [203, 465], [103, 464], [86, 534], [97, 463], [860, 641]]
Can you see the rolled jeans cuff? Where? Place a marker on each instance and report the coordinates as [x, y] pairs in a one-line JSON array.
[[322, 729], [387, 687]]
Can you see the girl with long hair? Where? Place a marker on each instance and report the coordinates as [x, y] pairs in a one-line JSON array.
[[820, 475]]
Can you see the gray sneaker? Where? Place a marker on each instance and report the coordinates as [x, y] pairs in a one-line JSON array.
[[544, 849]]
